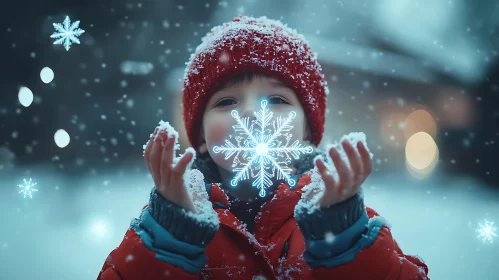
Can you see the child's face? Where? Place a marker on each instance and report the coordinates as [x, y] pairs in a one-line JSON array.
[[245, 98]]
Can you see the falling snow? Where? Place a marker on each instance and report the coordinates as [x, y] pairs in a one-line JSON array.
[[329, 237], [442, 209]]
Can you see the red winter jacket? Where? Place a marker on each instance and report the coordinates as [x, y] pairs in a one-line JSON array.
[[275, 251]]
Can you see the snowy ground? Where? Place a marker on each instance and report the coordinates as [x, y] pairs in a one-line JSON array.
[[71, 224]]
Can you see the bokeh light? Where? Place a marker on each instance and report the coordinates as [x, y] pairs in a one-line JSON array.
[[61, 138], [421, 154], [25, 96], [47, 75], [455, 109], [418, 121]]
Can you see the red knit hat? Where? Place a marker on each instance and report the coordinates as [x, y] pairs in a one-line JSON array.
[[259, 45]]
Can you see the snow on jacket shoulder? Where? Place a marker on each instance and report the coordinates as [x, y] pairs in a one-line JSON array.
[[346, 241]]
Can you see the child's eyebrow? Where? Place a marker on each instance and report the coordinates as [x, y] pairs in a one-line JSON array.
[[279, 84]]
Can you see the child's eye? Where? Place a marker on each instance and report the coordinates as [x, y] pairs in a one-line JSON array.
[[225, 102], [277, 100]]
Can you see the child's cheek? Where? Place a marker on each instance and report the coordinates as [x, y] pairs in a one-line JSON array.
[[218, 132]]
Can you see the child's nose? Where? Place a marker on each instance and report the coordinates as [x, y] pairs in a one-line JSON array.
[[249, 109]]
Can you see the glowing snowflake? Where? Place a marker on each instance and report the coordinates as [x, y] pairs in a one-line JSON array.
[[67, 33], [487, 231], [99, 228], [258, 152], [27, 188]]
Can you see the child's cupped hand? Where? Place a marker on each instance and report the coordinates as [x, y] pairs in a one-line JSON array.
[[350, 178], [168, 178]]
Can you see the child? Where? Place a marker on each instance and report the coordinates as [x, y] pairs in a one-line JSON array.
[[197, 226]]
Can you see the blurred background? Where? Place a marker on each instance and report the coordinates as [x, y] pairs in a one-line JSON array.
[[419, 78]]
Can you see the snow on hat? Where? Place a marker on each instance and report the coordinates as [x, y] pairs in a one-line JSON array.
[[259, 45]]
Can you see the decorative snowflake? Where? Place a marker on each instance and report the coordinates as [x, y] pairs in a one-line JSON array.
[[487, 232], [258, 152], [27, 188], [67, 34]]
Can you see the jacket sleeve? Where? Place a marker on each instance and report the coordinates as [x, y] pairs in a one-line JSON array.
[[165, 241], [350, 241]]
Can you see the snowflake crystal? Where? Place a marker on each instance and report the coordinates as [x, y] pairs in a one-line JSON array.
[[67, 33], [27, 188], [487, 231], [259, 153]]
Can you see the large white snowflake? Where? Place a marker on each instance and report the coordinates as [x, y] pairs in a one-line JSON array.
[[262, 150], [487, 231], [67, 33], [27, 188]]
